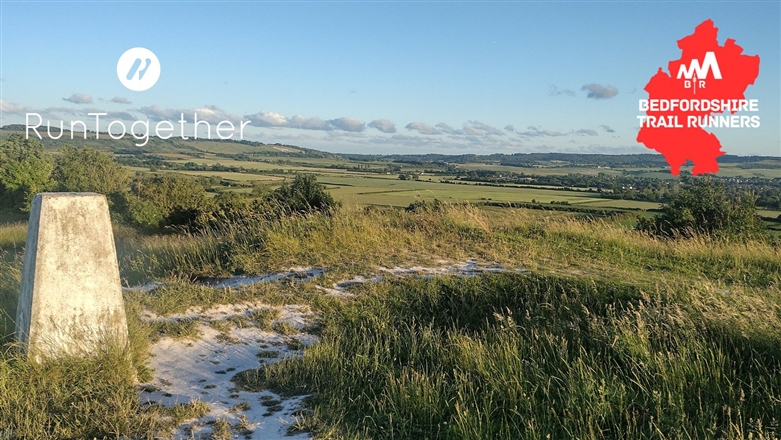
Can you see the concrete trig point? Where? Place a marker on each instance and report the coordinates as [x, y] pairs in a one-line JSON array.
[[71, 297]]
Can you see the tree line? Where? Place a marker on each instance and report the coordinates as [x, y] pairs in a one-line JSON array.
[[146, 201], [629, 187]]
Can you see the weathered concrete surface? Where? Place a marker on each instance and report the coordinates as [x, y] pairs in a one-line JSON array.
[[71, 297]]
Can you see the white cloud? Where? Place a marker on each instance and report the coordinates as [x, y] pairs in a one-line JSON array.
[[555, 91], [485, 128], [119, 100], [54, 113], [210, 113], [79, 98], [383, 125], [347, 124], [422, 128], [272, 119], [447, 129], [267, 119], [313, 123], [14, 108], [533, 132], [471, 131], [598, 91]]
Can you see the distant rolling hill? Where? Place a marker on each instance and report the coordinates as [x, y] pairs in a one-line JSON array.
[[176, 145]]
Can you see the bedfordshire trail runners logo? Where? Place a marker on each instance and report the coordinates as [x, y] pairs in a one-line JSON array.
[[695, 75], [138, 69], [706, 92]]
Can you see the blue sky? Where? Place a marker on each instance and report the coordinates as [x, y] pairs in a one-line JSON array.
[[383, 77]]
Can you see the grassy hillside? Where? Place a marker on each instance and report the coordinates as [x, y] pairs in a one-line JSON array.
[[613, 334], [591, 330]]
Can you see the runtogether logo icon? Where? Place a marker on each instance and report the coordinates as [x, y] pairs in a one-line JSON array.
[[138, 69], [695, 75]]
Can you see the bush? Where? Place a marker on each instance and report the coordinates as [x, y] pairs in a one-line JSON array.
[[303, 196], [435, 205], [137, 212], [89, 170], [703, 207], [180, 200], [25, 170]]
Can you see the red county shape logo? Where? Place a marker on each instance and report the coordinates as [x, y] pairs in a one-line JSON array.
[[707, 81]]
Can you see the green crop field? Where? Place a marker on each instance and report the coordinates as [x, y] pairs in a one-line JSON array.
[[370, 180], [360, 188]]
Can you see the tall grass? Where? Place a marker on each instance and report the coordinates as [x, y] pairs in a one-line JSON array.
[[10, 278], [360, 240], [511, 356], [618, 335], [91, 396], [13, 235]]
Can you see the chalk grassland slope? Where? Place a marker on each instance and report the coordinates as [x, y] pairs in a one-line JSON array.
[[529, 357], [613, 335], [357, 240]]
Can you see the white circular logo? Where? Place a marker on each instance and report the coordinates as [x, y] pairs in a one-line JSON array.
[[138, 69]]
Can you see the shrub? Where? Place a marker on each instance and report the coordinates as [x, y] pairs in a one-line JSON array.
[[137, 212], [25, 170], [180, 200], [703, 206], [303, 196], [89, 170], [423, 206]]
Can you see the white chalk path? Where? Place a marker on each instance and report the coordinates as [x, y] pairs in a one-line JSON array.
[[188, 370]]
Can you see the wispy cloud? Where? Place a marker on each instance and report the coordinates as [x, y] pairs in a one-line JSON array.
[[79, 98], [124, 116], [383, 125], [445, 128], [119, 100], [277, 120], [53, 113], [553, 90], [350, 133], [14, 108], [470, 128], [598, 91], [485, 128], [210, 113], [347, 124], [422, 128], [311, 123], [536, 131], [272, 119], [267, 119], [532, 131]]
